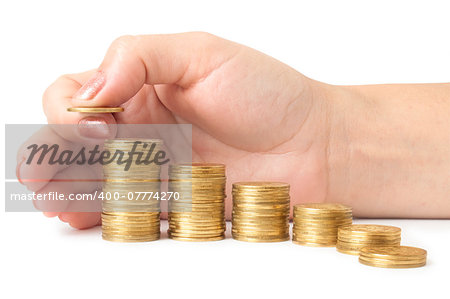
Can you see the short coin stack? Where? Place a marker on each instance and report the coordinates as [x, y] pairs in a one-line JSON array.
[[353, 237], [393, 256], [260, 211], [130, 210], [199, 213], [316, 224]]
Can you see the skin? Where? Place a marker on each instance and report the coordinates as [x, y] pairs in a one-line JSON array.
[[384, 149]]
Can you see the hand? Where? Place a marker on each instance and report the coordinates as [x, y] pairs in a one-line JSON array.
[[351, 144], [260, 117]]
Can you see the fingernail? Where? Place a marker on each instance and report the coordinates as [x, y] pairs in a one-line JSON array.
[[93, 127], [90, 89], [18, 170]]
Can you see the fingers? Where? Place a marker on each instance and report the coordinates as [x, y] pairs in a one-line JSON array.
[[57, 98], [78, 213], [32, 172], [81, 220], [133, 61], [70, 182], [34, 168]]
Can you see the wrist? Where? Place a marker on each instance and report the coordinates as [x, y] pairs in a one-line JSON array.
[[339, 126], [388, 153]]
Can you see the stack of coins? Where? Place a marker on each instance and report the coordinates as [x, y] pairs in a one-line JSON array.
[[393, 257], [356, 236], [130, 227], [199, 212], [316, 224], [130, 196], [260, 211]]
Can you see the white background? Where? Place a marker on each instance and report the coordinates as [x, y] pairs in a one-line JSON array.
[[339, 42]]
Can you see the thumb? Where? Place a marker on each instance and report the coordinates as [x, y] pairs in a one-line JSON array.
[[132, 61]]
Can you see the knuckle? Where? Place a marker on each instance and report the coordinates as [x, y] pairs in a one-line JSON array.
[[49, 90], [204, 36], [124, 43], [206, 40]]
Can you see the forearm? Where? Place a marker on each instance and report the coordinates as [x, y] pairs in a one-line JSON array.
[[389, 153]]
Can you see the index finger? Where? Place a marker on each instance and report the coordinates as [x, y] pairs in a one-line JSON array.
[[132, 61]]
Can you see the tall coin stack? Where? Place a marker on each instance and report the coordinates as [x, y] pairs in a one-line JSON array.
[[132, 212], [356, 236], [393, 257], [316, 224], [260, 211], [199, 213]]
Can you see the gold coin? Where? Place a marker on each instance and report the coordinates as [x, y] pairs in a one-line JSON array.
[[314, 243], [394, 252], [314, 237], [321, 217], [115, 238], [354, 248], [185, 229], [196, 218], [322, 242], [391, 262], [319, 223], [195, 233], [372, 229], [322, 208], [398, 266], [316, 233], [95, 109], [123, 141], [369, 240], [188, 239], [393, 256], [130, 218], [260, 185], [260, 230], [261, 239]]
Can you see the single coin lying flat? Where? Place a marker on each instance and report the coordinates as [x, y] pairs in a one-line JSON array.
[[393, 256], [95, 109]]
